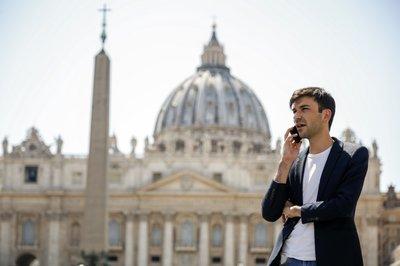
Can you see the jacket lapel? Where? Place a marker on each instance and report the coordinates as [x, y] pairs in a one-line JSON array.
[[334, 154]]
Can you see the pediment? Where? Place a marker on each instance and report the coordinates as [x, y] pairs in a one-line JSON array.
[[186, 182], [32, 147]]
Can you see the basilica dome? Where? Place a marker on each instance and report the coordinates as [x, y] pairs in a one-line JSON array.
[[212, 98]]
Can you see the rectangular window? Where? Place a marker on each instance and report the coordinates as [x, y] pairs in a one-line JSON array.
[[156, 176], [31, 174], [77, 178], [28, 233], [216, 260], [260, 261], [217, 177], [112, 258], [214, 145], [155, 259], [236, 147]]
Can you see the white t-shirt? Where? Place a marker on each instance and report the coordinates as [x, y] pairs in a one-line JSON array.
[[300, 243]]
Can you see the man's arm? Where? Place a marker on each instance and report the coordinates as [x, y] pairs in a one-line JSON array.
[[278, 192], [344, 203]]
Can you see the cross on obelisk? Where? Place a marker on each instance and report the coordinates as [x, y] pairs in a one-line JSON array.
[[103, 33], [95, 218]]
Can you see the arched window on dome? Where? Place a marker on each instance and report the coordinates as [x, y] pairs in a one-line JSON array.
[[231, 113], [260, 235], [211, 108], [250, 116], [114, 233], [216, 237], [188, 109], [170, 120], [249, 112], [28, 233]]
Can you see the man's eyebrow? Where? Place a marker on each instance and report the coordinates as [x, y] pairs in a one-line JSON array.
[[301, 106]]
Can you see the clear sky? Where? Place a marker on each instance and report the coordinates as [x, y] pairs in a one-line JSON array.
[[351, 48]]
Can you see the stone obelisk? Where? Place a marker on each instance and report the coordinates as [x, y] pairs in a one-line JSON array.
[[95, 222]]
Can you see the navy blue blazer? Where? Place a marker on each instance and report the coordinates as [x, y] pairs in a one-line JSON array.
[[336, 238]]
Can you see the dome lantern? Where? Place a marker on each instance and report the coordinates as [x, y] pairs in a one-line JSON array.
[[213, 54]]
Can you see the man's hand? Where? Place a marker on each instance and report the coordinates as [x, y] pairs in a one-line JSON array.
[[290, 148], [294, 211], [288, 204], [290, 152]]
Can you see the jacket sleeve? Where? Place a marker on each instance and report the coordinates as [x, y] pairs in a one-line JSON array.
[[343, 204], [274, 200]]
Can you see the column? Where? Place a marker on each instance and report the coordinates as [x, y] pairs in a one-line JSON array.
[[53, 254], [5, 237], [168, 245], [129, 238], [371, 237], [229, 251], [143, 241], [243, 245], [204, 234]]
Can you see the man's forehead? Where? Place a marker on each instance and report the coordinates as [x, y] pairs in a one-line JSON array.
[[305, 100]]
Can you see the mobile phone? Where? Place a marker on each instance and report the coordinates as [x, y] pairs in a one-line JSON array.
[[297, 138]]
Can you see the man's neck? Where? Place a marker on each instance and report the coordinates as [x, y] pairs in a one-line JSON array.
[[319, 143]]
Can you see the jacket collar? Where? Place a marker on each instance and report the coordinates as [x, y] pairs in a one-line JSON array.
[[333, 156]]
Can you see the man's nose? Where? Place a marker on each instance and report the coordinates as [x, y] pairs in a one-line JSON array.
[[296, 117]]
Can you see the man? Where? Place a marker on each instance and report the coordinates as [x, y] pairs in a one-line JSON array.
[[316, 191]]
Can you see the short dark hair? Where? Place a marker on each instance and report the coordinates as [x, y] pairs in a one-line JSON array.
[[322, 97]]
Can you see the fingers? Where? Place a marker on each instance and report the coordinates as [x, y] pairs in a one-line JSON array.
[[285, 211], [284, 218], [289, 138], [287, 132]]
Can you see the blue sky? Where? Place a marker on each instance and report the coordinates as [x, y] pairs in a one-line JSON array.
[[348, 47]]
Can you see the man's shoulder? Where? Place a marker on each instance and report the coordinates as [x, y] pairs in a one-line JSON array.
[[355, 149]]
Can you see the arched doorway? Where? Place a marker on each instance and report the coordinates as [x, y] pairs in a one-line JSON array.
[[27, 259]]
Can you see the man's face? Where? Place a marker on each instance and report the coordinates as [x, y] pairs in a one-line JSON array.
[[308, 120]]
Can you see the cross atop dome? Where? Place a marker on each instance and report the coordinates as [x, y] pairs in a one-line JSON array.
[[213, 40]]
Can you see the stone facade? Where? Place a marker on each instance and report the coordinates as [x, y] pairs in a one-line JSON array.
[[389, 226], [165, 209], [192, 198]]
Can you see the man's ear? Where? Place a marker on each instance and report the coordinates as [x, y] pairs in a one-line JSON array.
[[326, 115]]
